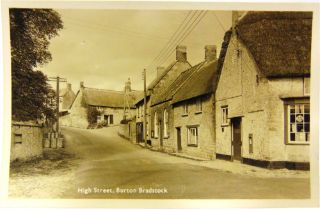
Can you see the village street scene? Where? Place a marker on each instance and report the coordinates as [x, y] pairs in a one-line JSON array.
[[160, 104]]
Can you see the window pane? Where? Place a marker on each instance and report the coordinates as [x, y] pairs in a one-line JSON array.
[[292, 118], [306, 108], [292, 109], [292, 137], [300, 137], [307, 127], [293, 127], [300, 127], [299, 108], [307, 136], [306, 118]]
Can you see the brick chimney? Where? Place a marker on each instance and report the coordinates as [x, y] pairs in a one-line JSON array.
[[235, 18], [81, 84], [69, 86], [181, 53], [128, 86], [160, 70], [210, 52]]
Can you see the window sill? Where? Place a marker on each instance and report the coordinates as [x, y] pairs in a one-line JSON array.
[[225, 125], [297, 143], [192, 145], [166, 137], [184, 115], [198, 112]]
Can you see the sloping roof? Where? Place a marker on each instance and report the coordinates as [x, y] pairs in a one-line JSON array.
[[108, 98], [280, 42], [175, 64], [167, 93], [201, 82]]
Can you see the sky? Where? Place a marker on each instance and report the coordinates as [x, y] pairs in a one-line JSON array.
[[103, 48]]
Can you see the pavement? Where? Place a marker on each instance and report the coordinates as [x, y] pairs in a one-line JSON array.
[[108, 166]]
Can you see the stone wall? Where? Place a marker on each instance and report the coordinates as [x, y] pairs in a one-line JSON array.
[[26, 141], [203, 120], [128, 131]]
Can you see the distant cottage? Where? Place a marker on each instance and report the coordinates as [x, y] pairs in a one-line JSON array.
[[110, 105]]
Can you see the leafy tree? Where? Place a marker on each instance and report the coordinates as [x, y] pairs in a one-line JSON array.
[[92, 114], [30, 34]]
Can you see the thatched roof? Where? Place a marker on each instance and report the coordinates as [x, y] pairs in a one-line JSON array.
[[107, 98], [173, 65], [280, 42], [167, 93], [201, 82]]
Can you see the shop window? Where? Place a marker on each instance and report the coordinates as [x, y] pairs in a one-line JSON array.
[[298, 123]]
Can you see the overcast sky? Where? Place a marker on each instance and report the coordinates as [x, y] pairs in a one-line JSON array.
[[105, 47]]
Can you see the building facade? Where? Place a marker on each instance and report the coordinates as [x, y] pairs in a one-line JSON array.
[[193, 107], [262, 97], [160, 108]]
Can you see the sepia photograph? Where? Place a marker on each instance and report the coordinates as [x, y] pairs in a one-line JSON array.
[[160, 103]]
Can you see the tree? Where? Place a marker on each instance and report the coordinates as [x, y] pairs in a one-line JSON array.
[[92, 114], [30, 34]]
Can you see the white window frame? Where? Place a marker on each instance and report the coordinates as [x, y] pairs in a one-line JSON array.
[[185, 109], [297, 112], [224, 116], [192, 136], [156, 125], [199, 105], [165, 123]]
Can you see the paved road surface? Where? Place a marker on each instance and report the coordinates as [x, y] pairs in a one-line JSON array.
[[110, 163]]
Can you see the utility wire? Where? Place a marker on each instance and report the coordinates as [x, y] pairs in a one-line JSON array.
[[185, 35], [172, 38]]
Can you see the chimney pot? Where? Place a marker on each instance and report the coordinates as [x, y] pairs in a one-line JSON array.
[[81, 84], [181, 53], [210, 52]]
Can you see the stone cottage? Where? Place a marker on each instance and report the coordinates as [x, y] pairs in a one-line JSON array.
[[263, 93], [26, 140], [193, 108], [109, 103], [161, 110]]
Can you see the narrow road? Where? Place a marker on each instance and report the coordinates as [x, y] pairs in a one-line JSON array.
[[111, 167]]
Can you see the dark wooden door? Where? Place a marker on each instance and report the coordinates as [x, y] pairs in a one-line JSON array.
[[139, 132], [179, 139], [236, 138]]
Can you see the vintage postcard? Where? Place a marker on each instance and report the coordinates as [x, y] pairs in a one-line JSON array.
[[135, 104]]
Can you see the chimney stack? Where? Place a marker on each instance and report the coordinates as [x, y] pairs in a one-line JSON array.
[[128, 86], [210, 52], [81, 84], [68, 86], [160, 70], [181, 53], [235, 18]]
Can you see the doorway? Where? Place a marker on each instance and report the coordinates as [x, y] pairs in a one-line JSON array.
[[236, 138], [179, 146]]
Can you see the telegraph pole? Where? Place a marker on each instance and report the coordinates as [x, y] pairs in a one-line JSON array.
[[145, 108], [58, 80]]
